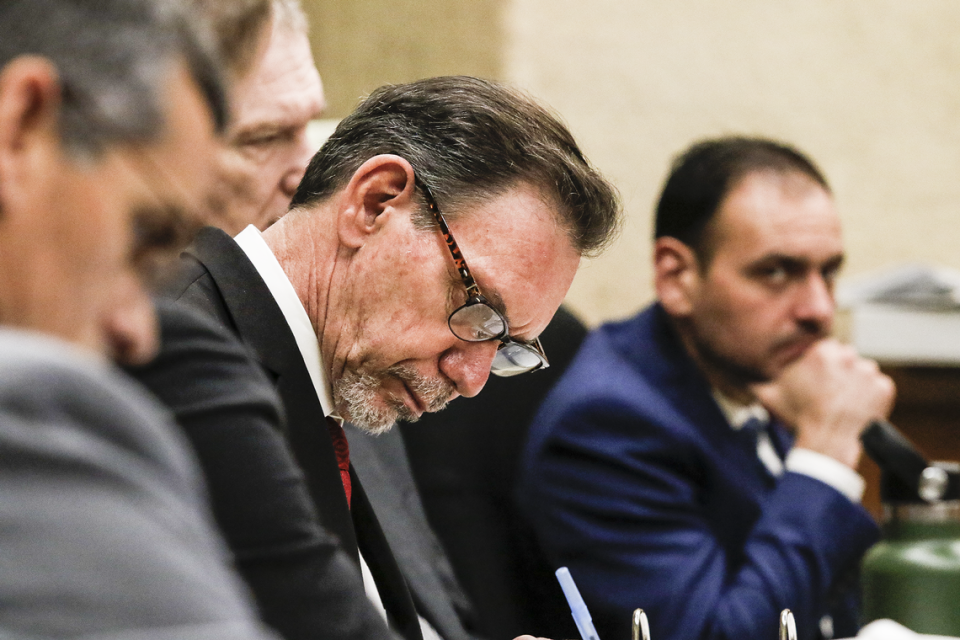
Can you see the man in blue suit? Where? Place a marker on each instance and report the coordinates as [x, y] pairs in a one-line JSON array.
[[662, 469]]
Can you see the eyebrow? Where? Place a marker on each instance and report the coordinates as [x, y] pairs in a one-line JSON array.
[[794, 261], [457, 287], [496, 301]]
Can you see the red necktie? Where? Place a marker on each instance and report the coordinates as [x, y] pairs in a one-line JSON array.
[[342, 449]]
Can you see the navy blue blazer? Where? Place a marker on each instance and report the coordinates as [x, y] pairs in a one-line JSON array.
[[633, 478]]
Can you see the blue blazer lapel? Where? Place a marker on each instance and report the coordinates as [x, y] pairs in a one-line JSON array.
[[665, 362], [781, 438]]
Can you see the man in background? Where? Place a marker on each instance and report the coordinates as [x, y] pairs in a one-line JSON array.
[[276, 91], [660, 469], [109, 112]]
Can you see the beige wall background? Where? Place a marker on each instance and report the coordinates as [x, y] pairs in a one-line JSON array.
[[871, 90], [362, 44]]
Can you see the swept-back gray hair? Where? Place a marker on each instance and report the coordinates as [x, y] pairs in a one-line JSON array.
[[240, 27], [113, 58], [469, 139]]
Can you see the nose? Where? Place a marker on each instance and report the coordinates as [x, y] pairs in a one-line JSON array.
[[816, 304], [130, 326], [300, 155], [468, 364]]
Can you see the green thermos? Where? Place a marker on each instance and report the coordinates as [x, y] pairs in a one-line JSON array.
[[913, 574]]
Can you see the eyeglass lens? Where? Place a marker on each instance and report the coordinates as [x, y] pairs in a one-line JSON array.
[[514, 358], [477, 322]]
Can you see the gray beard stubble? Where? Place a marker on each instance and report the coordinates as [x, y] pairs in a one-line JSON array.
[[355, 394]]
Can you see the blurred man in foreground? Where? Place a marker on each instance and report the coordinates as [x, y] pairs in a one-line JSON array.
[[109, 112], [654, 469]]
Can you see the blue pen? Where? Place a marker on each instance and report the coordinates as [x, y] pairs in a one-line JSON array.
[[577, 606]]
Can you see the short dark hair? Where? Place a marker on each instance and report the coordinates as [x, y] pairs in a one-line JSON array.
[[469, 139], [702, 176], [112, 57]]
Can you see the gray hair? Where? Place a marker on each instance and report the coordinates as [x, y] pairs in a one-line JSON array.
[[470, 139], [240, 27], [289, 14], [113, 58]]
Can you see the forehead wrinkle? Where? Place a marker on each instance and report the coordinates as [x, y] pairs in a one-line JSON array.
[[290, 107], [286, 83], [280, 113]]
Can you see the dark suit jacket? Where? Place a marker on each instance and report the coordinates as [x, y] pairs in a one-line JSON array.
[[303, 581], [219, 281], [381, 463], [634, 479], [465, 460], [104, 525]]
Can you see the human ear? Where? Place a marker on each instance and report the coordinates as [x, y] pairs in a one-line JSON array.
[[676, 276], [29, 113], [381, 187]]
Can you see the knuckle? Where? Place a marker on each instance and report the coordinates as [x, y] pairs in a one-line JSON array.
[[889, 387]]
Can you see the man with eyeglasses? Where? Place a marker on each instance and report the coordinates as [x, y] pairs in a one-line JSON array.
[[359, 303]]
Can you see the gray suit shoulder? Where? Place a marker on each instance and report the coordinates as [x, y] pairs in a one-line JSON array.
[[104, 528], [64, 392]]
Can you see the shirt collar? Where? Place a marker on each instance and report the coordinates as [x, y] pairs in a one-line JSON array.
[[738, 414], [252, 243]]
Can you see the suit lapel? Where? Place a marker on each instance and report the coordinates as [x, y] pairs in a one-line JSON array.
[[674, 372], [261, 325], [781, 438], [393, 588], [381, 462]]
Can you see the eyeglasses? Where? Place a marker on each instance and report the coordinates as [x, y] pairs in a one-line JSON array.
[[477, 321]]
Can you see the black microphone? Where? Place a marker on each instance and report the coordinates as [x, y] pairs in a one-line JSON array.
[[907, 475]]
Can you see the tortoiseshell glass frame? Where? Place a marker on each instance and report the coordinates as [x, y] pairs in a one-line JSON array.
[[474, 295]]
